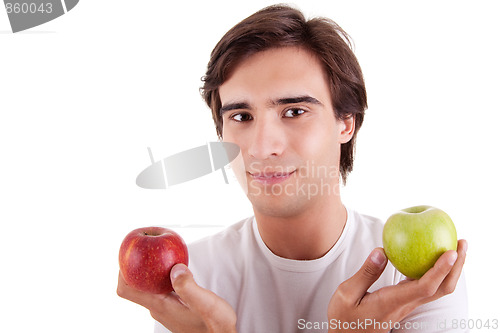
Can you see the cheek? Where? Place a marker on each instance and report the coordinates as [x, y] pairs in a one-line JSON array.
[[318, 145], [237, 164], [235, 135], [238, 168]]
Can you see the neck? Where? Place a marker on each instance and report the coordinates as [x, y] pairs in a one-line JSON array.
[[306, 236]]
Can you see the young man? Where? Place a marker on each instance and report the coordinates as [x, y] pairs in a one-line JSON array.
[[291, 94]]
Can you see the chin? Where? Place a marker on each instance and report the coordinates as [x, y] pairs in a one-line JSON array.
[[277, 206]]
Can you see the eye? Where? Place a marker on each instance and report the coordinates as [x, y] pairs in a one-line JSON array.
[[293, 113], [241, 117]]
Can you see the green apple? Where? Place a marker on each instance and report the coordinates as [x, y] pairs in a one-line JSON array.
[[414, 239]]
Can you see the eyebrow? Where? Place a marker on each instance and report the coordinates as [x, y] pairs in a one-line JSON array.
[[296, 100], [279, 101], [233, 106]]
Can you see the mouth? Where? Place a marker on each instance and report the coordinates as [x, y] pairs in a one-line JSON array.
[[269, 178]]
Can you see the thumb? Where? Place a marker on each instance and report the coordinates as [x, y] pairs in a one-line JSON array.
[[216, 312], [186, 288], [182, 281], [371, 270]]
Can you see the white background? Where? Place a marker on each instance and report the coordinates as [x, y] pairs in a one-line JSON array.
[[83, 96]]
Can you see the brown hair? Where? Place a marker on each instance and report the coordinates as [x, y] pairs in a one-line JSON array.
[[281, 26]]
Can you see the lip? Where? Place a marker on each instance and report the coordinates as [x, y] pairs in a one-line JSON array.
[[269, 178]]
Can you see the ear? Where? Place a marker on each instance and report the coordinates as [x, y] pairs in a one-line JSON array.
[[347, 127]]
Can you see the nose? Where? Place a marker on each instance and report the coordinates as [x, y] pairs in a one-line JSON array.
[[268, 138]]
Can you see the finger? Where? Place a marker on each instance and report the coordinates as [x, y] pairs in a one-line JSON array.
[[428, 285], [167, 309], [186, 288], [371, 270], [204, 302], [125, 291], [451, 280], [150, 301]]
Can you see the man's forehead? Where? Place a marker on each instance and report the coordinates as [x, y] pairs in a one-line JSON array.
[[280, 62]]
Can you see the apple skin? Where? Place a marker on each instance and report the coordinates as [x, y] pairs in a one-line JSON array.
[[147, 255], [414, 239]]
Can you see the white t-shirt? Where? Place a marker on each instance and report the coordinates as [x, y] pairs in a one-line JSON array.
[[273, 294]]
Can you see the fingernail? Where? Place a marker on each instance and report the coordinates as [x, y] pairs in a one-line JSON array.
[[377, 258], [177, 270], [466, 245]]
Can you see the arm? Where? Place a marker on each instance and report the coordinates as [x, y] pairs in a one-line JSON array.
[[351, 303], [190, 309]]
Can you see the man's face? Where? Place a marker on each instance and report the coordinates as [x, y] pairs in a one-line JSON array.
[[277, 107]]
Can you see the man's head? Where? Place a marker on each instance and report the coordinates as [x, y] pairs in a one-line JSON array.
[[282, 26]]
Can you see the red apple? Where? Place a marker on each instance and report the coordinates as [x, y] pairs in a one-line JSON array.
[[147, 255]]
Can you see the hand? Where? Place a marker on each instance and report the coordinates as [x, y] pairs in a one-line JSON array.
[[351, 303], [189, 309]]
